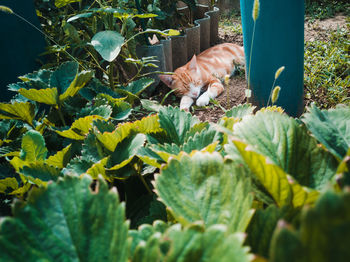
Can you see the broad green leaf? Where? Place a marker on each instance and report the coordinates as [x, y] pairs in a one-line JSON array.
[[92, 149], [40, 170], [108, 44], [201, 140], [215, 243], [289, 146], [136, 87], [176, 123], [207, 188], [78, 16], [61, 158], [168, 32], [43, 75], [67, 222], [104, 111], [129, 96], [121, 109], [62, 3], [111, 139], [48, 96], [9, 183], [330, 127], [283, 189], [240, 111], [33, 147], [125, 151], [21, 190], [343, 172], [261, 228], [63, 76], [322, 236], [151, 105], [149, 157], [145, 231], [99, 168], [80, 128], [145, 15], [193, 243], [78, 166], [145, 210], [21, 111], [78, 83]]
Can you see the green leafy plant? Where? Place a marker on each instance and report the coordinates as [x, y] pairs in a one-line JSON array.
[[327, 71], [321, 9], [203, 180]]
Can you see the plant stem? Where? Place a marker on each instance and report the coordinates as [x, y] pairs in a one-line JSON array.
[[61, 116], [110, 75], [273, 85], [145, 183], [250, 58]]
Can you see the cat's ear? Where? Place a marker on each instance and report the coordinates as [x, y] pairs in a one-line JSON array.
[[166, 79], [192, 65]]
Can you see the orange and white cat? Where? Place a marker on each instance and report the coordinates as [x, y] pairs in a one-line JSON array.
[[204, 70]]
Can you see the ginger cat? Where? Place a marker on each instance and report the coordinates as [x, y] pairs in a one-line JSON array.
[[204, 70]]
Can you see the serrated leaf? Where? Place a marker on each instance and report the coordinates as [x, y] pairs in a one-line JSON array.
[[289, 146], [204, 187], [111, 139], [9, 183], [343, 172], [62, 3], [64, 75], [125, 151], [323, 231], [261, 228], [33, 147], [99, 168], [48, 96], [108, 44], [176, 123], [61, 158], [150, 105], [78, 83], [43, 75], [283, 189], [193, 243], [121, 109], [330, 127], [240, 111], [80, 128], [40, 170], [71, 217], [77, 166], [201, 140], [21, 111], [136, 87]]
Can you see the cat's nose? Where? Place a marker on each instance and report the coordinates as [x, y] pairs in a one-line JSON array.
[[195, 94]]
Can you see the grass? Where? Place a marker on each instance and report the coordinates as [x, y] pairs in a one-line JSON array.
[[322, 9], [327, 69]]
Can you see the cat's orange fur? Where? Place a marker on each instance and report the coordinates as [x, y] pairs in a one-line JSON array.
[[204, 70]]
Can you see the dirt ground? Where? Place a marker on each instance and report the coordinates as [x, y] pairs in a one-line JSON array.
[[234, 91]]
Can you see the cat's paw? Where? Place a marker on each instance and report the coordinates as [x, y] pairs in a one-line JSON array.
[[203, 100]]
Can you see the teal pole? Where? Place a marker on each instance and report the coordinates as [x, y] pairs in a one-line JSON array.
[[278, 41], [20, 44]]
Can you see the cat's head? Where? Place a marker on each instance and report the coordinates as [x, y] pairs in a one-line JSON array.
[[186, 80]]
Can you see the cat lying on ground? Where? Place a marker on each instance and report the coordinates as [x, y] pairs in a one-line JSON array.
[[204, 70]]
